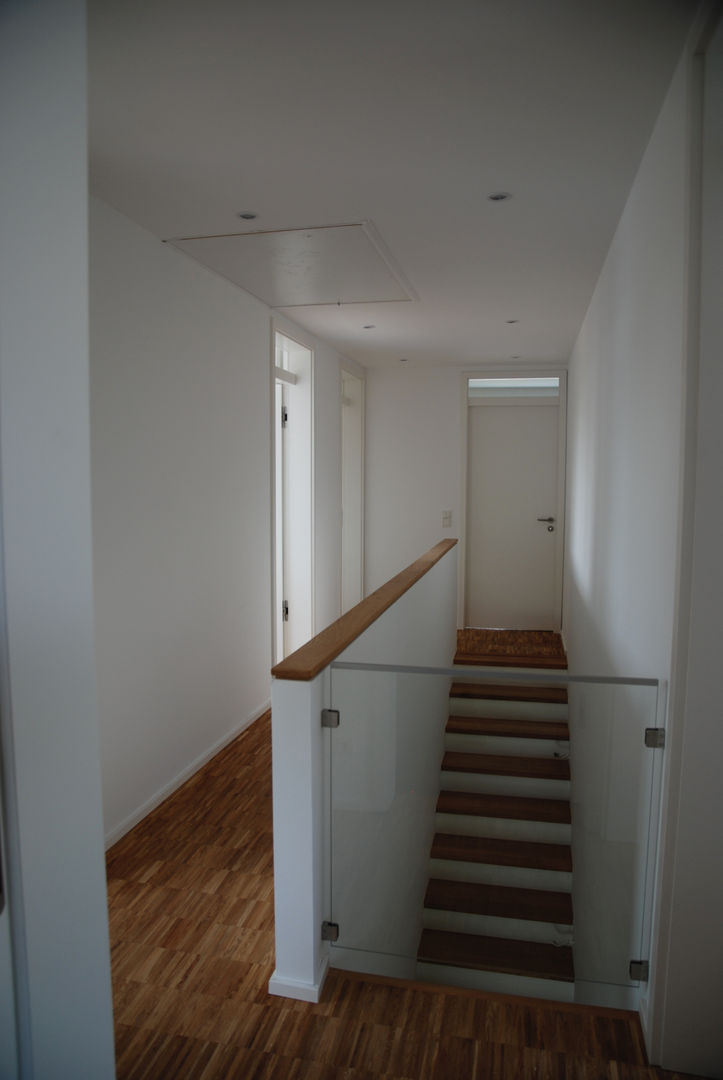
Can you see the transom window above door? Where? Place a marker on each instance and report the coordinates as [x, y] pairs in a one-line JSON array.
[[514, 386]]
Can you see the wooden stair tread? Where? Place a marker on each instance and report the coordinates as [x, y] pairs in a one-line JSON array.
[[498, 852], [497, 660], [531, 958], [512, 727], [541, 768], [502, 901], [556, 695], [504, 806]]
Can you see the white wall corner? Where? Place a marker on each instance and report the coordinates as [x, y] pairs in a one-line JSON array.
[[117, 832], [298, 807], [301, 991]]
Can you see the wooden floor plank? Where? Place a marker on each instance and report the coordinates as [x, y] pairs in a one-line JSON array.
[[192, 953]]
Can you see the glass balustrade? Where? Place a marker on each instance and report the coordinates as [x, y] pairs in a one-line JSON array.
[[385, 777]]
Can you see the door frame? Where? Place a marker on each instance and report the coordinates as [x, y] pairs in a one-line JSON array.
[[346, 368], [498, 372], [278, 326]]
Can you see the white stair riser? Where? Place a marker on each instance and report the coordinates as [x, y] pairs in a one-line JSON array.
[[463, 922], [544, 832], [518, 877], [504, 745], [522, 710], [607, 996], [527, 787], [495, 983]]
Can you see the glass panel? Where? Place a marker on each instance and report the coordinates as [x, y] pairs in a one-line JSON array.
[[612, 788], [386, 775]]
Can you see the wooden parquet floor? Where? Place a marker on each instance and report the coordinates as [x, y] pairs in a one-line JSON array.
[[190, 894]]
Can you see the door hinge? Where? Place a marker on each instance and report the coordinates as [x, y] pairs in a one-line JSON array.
[[330, 718], [285, 611], [329, 931], [655, 738], [639, 970], [284, 416]]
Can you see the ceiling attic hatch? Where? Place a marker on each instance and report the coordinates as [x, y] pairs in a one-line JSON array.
[[332, 264]]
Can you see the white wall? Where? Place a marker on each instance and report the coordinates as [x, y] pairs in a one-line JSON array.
[[401, 634], [624, 426], [50, 756], [631, 372], [629, 375], [352, 489], [413, 465], [327, 486], [691, 1031], [181, 414], [385, 775], [180, 469]]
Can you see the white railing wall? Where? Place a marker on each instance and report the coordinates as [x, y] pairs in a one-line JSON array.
[[418, 628]]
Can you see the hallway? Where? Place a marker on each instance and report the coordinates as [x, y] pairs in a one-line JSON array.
[[191, 916]]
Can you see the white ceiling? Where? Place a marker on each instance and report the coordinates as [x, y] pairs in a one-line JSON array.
[[405, 114]]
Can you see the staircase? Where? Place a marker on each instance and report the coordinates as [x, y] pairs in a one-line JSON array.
[[498, 909]]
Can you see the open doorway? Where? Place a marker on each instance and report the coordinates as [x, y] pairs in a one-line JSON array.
[[352, 490], [293, 561]]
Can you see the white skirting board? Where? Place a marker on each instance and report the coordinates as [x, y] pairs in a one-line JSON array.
[[602, 995], [115, 834], [373, 963], [607, 995], [300, 991]]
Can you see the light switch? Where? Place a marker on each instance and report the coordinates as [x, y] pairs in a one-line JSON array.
[[446, 519]]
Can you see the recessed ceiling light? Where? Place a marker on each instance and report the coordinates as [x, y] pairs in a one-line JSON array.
[[515, 357], [369, 326], [403, 359], [510, 321], [247, 215], [499, 196]]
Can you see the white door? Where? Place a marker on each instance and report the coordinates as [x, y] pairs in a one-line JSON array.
[[514, 511], [293, 577], [279, 584]]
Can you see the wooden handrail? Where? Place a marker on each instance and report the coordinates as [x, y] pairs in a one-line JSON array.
[[315, 655]]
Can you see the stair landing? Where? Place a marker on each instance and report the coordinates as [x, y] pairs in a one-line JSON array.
[[510, 648]]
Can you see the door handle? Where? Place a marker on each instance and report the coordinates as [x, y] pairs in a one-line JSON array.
[[549, 520]]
